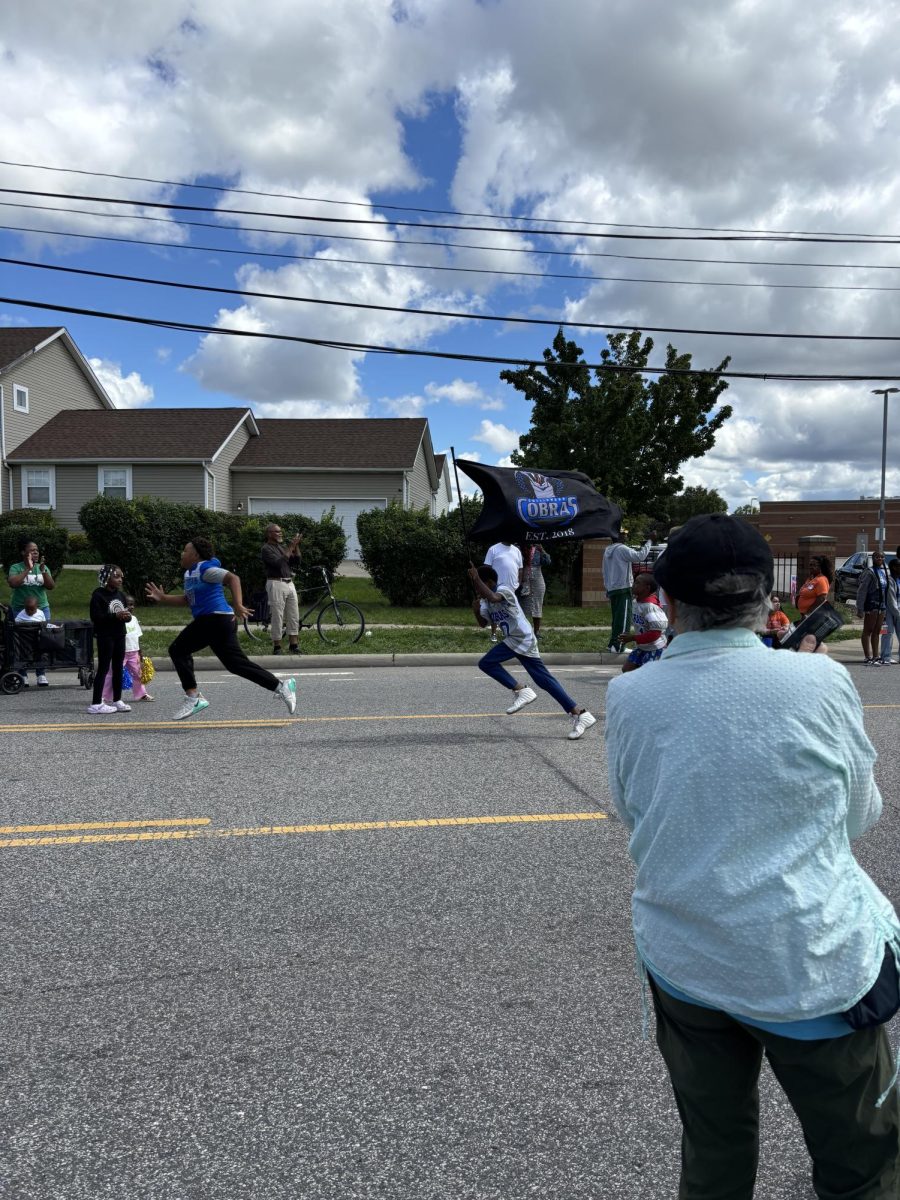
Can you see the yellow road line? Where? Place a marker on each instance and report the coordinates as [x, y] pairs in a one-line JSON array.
[[103, 825], [282, 830]]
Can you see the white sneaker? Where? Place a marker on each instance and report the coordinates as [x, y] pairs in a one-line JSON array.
[[121, 706], [580, 724], [96, 709], [42, 680], [191, 705], [523, 697], [287, 691]]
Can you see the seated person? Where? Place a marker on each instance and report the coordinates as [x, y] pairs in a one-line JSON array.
[[31, 614], [778, 623]]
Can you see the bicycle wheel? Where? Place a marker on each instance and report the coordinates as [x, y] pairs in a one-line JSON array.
[[340, 623]]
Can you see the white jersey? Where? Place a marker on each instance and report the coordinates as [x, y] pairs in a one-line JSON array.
[[507, 615], [648, 617]]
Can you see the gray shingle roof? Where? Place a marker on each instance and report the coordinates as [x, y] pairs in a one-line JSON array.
[[376, 442], [16, 342], [134, 434]]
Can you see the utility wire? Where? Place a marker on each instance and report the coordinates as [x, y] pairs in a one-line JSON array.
[[527, 231], [347, 237], [556, 322], [365, 348], [369, 262], [440, 212]]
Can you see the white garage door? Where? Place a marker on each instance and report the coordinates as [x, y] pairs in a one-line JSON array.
[[345, 511]]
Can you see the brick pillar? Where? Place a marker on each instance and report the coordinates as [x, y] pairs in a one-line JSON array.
[[590, 593], [812, 547]]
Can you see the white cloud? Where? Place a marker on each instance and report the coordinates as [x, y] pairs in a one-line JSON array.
[[460, 391], [406, 406], [498, 437], [492, 406], [306, 409], [125, 391]]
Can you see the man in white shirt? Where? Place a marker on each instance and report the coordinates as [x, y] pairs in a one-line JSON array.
[[506, 559], [617, 562], [497, 605]]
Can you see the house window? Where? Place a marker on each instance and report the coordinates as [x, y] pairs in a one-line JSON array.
[[114, 482], [20, 398], [39, 487]]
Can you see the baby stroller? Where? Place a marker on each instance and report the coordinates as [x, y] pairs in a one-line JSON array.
[[52, 647]]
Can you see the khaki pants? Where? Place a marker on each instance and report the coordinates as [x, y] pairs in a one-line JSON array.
[[284, 609]]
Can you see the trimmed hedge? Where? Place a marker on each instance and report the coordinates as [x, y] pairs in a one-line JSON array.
[[146, 536], [414, 558], [51, 539]]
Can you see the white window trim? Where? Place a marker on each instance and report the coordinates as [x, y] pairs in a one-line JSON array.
[[24, 487], [19, 389], [114, 467], [210, 490]]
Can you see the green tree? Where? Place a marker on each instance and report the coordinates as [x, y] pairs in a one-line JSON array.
[[744, 510], [630, 434], [695, 502]]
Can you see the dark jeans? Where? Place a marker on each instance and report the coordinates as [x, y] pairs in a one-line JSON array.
[[620, 603], [501, 653], [218, 631], [832, 1085], [110, 655]]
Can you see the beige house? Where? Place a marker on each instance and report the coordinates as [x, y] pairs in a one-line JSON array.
[[63, 442]]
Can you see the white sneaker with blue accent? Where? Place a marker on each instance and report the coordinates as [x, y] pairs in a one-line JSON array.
[[287, 692], [191, 705], [580, 724]]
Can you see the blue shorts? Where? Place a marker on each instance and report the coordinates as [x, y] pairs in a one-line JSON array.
[[639, 657]]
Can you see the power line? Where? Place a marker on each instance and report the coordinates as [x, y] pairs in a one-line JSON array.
[[170, 206], [441, 212], [405, 351], [369, 262], [347, 237], [450, 313]]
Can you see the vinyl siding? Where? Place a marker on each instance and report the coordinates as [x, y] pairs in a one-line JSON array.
[[419, 483], [177, 483], [221, 468], [326, 485], [54, 381]]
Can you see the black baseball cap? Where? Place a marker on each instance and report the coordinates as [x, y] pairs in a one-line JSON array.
[[707, 548]]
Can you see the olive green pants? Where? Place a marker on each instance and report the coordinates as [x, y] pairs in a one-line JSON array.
[[620, 603], [832, 1085]]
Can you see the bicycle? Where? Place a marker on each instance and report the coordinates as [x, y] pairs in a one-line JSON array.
[[338, 622]]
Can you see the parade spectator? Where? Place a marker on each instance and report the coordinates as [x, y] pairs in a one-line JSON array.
[[814, 591], [778, 622], [284, 608], [497, 604], [618, 560], [871, 605], [759, 931], [133, 656], [109, 612], [892, 612], [506, 559], [214, 625], [33, 616], [537, 586], [30, 577], [650, 624]]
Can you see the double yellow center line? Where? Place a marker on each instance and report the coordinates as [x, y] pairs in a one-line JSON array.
[[198, 828]]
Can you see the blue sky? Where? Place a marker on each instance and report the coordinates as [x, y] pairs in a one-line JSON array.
[[725, 114]]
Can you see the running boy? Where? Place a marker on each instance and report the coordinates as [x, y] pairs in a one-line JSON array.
[[497, 604], [650, 623], [214, 625]]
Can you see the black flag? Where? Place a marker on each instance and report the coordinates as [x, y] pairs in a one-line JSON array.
[[525, 505]]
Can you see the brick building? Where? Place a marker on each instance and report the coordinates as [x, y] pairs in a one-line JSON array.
[[784, 522]]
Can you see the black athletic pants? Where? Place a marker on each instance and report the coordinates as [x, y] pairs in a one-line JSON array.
[[218, 631], [110, 653]]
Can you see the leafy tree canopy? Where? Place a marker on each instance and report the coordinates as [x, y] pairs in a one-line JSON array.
[[629, 433], [695, 502]]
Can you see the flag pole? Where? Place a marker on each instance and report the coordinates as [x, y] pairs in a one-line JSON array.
[[462, 515]]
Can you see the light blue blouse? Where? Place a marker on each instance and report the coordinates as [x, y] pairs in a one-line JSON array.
[[743, 774]]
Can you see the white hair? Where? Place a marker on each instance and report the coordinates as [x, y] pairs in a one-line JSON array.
[[749, 613]]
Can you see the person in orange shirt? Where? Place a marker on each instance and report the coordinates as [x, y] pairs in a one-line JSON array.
[[816, 588], [778, 623]]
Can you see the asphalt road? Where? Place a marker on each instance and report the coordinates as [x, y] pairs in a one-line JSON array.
[[255, 1006]]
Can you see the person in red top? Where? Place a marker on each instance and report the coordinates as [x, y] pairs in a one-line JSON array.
[[816, 588]]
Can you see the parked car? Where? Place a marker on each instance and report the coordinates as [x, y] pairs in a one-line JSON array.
[[846, 577]]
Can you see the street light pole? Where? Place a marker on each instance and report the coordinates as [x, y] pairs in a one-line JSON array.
[[883, 392]]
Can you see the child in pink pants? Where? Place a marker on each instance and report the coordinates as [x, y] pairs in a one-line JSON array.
[[132, 659]]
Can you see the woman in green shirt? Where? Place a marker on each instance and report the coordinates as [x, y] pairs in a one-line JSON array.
[[30, 577]]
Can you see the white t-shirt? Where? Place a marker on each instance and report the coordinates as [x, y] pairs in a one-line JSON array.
[[132, 635], [507, 615], [37, 618], [507, 562]]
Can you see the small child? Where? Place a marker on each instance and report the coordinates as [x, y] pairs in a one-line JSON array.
[[32, 615], [497, 605], [133, 656], [650, 623], [778, 623]]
